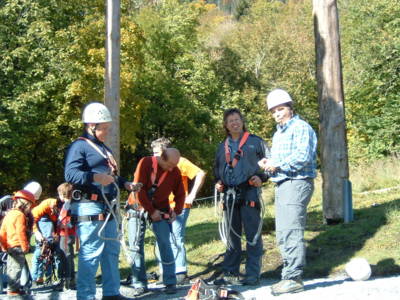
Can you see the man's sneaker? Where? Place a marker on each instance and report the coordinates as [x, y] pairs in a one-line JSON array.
[[128, 280], [182, 279], [58, 286], [16, 293], [38, 283], [139, 291], [228, 279], [116, 297], [287, 286], [170, 289], [70, 284], [250, 281], [152, 277]]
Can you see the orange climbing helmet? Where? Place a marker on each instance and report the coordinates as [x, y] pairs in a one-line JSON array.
[[24, 195]]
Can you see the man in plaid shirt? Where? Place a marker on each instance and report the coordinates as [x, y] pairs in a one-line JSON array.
[[292, 168]]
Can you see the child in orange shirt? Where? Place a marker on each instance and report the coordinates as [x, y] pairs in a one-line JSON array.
[[14, 239], [67, 234]]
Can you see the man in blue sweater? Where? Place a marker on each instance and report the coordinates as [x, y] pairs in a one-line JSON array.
[[91, 168]]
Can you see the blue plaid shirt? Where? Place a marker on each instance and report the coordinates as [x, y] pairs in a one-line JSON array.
[[294, 151]]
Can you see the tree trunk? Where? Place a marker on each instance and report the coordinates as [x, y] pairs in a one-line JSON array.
[[112, 75], [332, 132]]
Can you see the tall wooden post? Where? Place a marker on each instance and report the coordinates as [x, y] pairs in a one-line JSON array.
[[112, 73], [332, 133]]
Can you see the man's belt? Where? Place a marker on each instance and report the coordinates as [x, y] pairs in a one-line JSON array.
[[84, 197], [100, 217]]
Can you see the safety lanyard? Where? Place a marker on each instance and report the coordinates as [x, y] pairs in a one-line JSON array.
[[232, 163], [154, 173], [109, 157]]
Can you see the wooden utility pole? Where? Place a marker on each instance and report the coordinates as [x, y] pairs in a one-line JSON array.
[[332, 132], [112, 74]]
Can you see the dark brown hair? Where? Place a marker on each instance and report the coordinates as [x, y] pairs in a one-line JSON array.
[[229, 112]]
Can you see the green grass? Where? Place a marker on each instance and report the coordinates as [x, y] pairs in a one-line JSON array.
[[374, 233]]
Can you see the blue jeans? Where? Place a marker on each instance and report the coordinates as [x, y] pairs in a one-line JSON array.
[[178, 248], [136, 234], [94, 250], [3, 269], [46, 227], [162, 230]]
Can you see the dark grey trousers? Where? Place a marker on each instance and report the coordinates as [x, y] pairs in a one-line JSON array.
[[248, 218], [15, 264], [291, 200]]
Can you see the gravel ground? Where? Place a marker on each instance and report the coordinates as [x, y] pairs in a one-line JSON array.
[[342, 288]]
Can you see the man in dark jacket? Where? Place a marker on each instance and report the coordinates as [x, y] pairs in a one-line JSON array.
[[238, 176]]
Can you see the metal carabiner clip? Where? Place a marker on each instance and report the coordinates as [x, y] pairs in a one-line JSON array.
[[76, 195]]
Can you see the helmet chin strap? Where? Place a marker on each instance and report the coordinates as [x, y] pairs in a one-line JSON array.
[[93, 131]]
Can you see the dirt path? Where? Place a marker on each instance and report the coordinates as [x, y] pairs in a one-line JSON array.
[[339, 288]]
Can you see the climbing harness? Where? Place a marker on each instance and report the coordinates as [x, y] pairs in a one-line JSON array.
[[47, 256], [139, 215], [164, 215], [224, 208], [239, 153], [225, 205], [107, 155], [142, 216]]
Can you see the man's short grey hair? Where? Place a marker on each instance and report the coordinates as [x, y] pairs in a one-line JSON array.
[[161, 142]]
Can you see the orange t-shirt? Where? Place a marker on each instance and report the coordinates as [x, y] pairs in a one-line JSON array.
[[188, 171], [13, 231], [44, 208]]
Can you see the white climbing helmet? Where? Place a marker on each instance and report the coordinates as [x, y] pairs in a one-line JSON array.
[[96, 112], [358, 269], [34, 188], [278, 97]]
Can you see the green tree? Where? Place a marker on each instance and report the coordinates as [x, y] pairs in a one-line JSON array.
[[371, 59]]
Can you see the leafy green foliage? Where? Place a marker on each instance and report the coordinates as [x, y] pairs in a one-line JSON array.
[[182, 64], [371, 55], [32, 88]]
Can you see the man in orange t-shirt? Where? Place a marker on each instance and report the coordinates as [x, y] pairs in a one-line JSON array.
[[189, 171], [45, 217]]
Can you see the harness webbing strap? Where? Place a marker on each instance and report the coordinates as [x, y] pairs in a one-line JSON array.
[[108, 156], [232, 163], [154, 173]]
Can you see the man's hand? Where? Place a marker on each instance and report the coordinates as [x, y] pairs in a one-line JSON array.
[[266, 165], [189, 199], [56, 237], [255, 181], [38, 236], [156, 216], [219, 186], [133, 187], [103, 179]]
